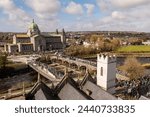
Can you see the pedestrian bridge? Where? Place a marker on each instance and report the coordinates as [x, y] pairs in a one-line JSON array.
[[77, 62], [46, 71]]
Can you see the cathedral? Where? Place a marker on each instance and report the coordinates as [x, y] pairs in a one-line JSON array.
[[35, 41]]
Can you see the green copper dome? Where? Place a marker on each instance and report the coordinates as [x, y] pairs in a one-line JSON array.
[[33, 29], [33, 25]]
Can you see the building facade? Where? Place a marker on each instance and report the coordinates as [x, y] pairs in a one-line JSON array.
[[34, 41]]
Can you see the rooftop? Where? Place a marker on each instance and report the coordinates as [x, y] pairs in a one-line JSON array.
[[68, 89], [22, 36], [68, 92], [33, 25], [143, 98], [26, 43], [96, 92], [41, 91]]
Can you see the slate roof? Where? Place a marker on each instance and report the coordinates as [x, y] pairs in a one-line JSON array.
[[42, 95], [68, 89], [68, 92], [41, 91], [87, 77], [143, 98], [96, 92]]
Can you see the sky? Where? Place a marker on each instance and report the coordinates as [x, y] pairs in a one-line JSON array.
[[75, 15]]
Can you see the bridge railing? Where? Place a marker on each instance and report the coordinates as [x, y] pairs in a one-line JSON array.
[[45, 67], [86, 62], [74, 59]]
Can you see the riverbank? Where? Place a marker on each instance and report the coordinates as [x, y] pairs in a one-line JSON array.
[[94, 56]]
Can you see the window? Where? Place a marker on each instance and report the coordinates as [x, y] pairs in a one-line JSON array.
[[101, 71]]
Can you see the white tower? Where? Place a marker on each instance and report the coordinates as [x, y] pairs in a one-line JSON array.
[[106, 72]]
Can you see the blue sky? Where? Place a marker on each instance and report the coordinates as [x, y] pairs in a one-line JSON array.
[[75, 15]]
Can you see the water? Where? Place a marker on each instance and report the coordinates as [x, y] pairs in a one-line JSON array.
[[142, 60], [120, 60]]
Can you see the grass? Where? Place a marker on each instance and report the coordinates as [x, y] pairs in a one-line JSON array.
[[134, 48]]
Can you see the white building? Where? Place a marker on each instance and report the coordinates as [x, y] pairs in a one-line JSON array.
[[86, 44], [34, 40], [106, 72], [146, 42]]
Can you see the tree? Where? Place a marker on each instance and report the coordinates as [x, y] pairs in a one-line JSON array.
[[115, 43], [96, 38], [3, 60], [134, 41], [83, 38], [133, 68]]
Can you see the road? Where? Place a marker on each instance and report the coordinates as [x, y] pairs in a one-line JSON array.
[[23, 58]]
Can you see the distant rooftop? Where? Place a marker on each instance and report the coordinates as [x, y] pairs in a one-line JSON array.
[[26, 43], [22, 36]]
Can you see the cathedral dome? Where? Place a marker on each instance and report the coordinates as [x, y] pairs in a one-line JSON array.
[[33, 29], [33, 25]]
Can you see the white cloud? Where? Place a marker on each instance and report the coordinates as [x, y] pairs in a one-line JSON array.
[[128, 3], [113, 15], [117, 15], [103, 4], [14, 17], [124, 15], [74, 8], [47, 25], [46, 13], [17, 19], [44, 8], [90, 8], [14, 13], [108, 4], [131, 19]]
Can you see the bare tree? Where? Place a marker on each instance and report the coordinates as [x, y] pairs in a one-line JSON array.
[[115, 43], [133, 68]]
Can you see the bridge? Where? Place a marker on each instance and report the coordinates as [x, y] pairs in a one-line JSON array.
[[52, 74], [80, 63], [46, 71], [77, 62]]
